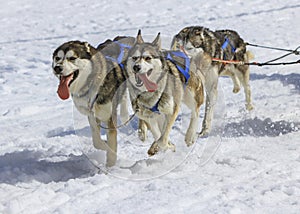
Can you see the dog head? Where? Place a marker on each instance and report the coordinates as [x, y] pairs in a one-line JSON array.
[[72, 65], [180, 39], [194, 40], [144, 64]]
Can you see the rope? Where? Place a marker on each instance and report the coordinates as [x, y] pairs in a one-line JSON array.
[[278, 63], [270, 62], [296, 52], [235, 62]]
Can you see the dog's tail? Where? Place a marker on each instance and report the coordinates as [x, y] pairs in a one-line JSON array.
[[249, 56]]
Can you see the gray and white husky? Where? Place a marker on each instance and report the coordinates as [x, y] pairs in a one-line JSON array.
[[221, 44], [93, 77], [157, 89]]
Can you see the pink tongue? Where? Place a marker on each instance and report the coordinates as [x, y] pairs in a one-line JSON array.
[[151, 86], [63, 88]]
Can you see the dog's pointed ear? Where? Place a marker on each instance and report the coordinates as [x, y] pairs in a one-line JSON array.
[[139, 39], [87, 46], [90, 49], [157, 41]]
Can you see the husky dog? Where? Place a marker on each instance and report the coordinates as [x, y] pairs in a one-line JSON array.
[[221, 44], [92, 77], [157, 88]]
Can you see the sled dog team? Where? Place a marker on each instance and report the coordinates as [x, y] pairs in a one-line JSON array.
[[158, 82]]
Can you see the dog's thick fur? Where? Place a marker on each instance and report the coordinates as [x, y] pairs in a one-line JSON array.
[[94, 83], [155, 81], [194, 40]]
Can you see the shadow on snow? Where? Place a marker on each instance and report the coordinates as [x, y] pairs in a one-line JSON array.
[[289, 79], [26, 166], [259, 128]]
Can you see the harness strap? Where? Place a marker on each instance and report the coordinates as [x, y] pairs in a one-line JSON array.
[[185, 71], [121, 55], [225, 44], [155, 108], [180, 54]]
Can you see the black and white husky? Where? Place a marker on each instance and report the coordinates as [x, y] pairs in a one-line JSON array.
[[93, 77], [221, 44], [157, 87]]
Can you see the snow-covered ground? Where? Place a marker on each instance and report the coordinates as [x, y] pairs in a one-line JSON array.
[[249, 164]]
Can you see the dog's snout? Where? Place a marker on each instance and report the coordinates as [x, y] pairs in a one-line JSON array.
[[136, 67], [58, 69]]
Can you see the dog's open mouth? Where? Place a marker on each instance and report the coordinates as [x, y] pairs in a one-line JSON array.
[[64, 84], [75, 75], [143, 79], [139, 82]]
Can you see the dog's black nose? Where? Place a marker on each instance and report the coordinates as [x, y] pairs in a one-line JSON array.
[[136, 67], [58, 69]]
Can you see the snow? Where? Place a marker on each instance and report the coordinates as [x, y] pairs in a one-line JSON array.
[[249, 164]]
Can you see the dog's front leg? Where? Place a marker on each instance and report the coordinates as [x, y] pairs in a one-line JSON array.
[[142, 130], [163, 142], [111, 155], [124, 108], [95, 128]]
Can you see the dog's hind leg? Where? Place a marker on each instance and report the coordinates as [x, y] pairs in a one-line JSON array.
[[95, 128], [244, 78], [245, 81], [190, 136], [230, 71], [211, 89], [194, 103], [236, 83]]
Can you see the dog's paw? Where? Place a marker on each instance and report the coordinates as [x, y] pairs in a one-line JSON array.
[[171, 146], [156, 147], [204, 133], [249, 107], [236, 90], [153, 149], [189, 142]]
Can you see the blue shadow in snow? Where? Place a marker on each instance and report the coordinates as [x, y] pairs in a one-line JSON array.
[[26, 166], [260, 128], [288, 79]]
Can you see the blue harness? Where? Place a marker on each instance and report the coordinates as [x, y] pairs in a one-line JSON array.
[[180, 54], [155, 108], [121, 55], [184, 71], [224, 46]]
